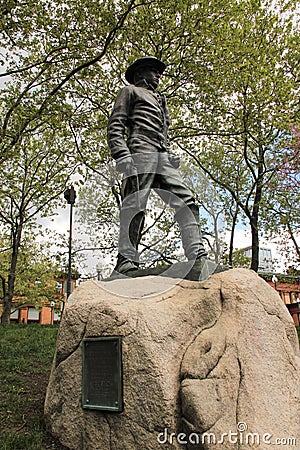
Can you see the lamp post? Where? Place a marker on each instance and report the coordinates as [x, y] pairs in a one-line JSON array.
[[70, 196], [52, 304], [274, 281]]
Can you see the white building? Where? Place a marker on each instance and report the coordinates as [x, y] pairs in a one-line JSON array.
[[265, 263]]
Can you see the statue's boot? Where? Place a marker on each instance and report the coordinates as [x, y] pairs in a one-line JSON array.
[[194, 250], [129, 239], [188, 221]]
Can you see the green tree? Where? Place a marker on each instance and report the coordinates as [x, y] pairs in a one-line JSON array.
[[232, 86], [34, 183], [45, 47], [231, 81], [244, 99], [35, 275], [282, 209], [238, 259]]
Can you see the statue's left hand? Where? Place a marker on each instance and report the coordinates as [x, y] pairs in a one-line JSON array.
[[126, 165], [174, 160]]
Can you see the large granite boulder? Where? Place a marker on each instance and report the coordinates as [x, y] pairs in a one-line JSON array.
[[210, 365]]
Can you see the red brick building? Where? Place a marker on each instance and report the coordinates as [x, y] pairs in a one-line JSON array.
[[288, 287], [48, 314]]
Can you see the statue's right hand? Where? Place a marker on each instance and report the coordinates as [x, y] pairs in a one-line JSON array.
[[126, 165]]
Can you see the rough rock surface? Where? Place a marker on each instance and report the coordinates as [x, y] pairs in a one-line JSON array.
[[214, 357]]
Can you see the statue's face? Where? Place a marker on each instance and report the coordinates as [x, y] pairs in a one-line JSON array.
[[150, 74]]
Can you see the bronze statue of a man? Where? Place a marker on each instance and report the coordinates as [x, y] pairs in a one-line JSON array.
[[138, 141]]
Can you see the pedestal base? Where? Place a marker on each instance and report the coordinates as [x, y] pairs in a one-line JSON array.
[[215, 358]]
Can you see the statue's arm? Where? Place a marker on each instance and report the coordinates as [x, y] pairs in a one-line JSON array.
[[173, 158], [116, 130], [117, 124]]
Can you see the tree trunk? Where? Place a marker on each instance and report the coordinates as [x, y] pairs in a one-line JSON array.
[[255, 245], [255, 211], [292, 236], [234, 220], [8, 297]]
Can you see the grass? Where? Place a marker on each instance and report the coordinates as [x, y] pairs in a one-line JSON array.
[[26, 354]]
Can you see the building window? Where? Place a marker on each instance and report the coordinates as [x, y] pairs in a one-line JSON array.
[[33, 314]]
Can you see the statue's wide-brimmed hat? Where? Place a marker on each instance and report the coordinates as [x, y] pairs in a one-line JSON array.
[[142, 62]]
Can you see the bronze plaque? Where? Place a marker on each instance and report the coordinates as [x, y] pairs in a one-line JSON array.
[[102, 373]]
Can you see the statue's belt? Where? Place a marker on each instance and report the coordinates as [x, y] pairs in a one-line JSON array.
[[154, 136]]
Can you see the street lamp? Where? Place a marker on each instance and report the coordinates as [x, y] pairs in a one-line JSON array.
[[70, 196], [52, 304], [274, 280]]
